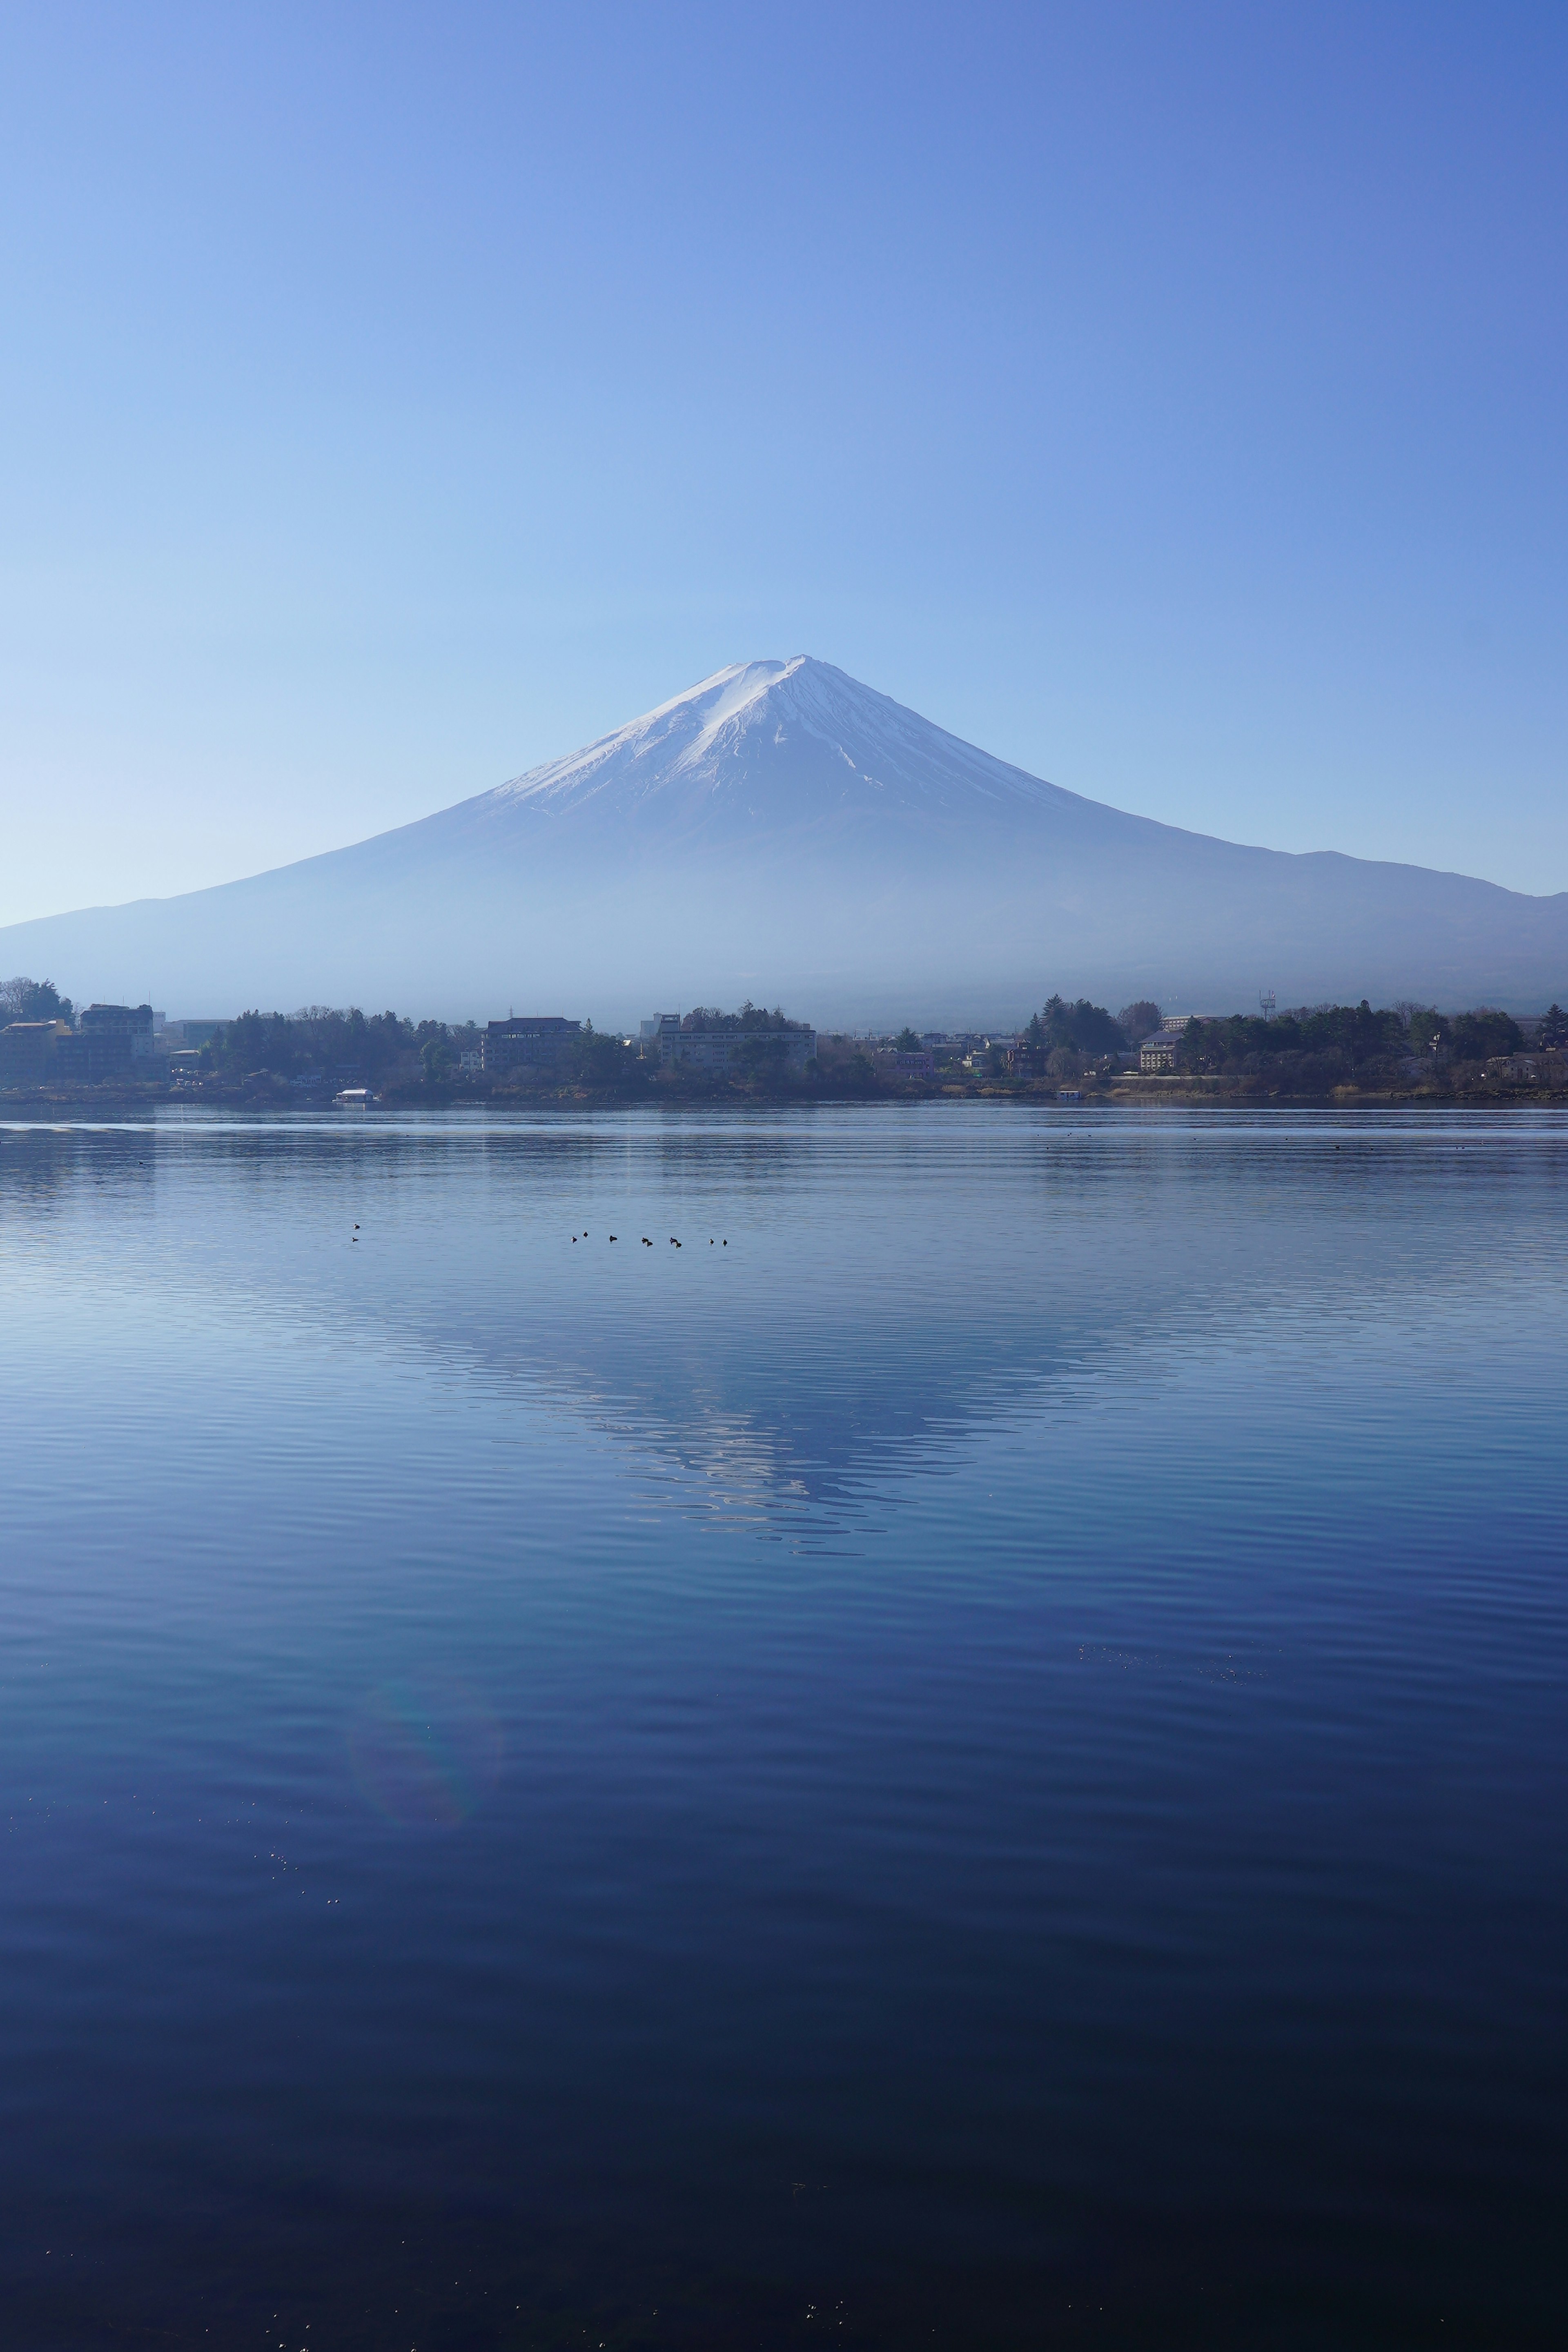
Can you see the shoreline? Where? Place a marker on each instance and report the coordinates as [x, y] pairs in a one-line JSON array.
[[1138, 1094]]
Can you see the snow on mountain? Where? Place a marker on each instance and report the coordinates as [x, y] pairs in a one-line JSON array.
[[778, 743], [781, 830]]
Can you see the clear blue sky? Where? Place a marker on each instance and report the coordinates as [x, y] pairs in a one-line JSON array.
[[1170, 399]]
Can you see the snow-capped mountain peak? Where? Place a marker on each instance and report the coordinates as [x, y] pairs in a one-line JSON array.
[[794, 743]]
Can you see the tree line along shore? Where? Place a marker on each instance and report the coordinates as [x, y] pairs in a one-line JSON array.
[[1079, 1051]]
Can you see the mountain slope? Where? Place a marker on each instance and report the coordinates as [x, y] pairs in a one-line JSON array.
[[781, 830]]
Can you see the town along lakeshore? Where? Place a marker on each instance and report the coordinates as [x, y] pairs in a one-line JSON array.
[[113, 1055]]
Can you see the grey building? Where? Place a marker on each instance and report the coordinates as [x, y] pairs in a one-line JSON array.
[[132, 1021], [541, 1042], [724, 1048], [180, 1036]]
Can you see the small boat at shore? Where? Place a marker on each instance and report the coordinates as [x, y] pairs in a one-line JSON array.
[[356, 1098]]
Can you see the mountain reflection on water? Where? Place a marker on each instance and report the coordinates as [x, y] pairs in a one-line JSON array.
[[982, 1765], [972, 1260]]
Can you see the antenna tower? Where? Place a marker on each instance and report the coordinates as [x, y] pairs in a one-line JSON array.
[[1265, 1003]]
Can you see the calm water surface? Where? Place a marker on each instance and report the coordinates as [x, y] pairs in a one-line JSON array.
[[983, 1765]]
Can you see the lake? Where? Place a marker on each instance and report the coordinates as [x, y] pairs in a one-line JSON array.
[[974, 1755]]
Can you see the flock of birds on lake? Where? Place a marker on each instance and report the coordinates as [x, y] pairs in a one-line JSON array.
[[674, 1242]]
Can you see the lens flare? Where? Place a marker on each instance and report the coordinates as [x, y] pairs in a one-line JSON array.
[[424, 1751]]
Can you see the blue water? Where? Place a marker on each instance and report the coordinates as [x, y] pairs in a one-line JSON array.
[[975, 1756]]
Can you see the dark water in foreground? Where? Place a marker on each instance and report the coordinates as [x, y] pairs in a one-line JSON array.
[[985, 1765]]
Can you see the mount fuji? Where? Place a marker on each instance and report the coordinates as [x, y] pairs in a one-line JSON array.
[[781, 831]]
